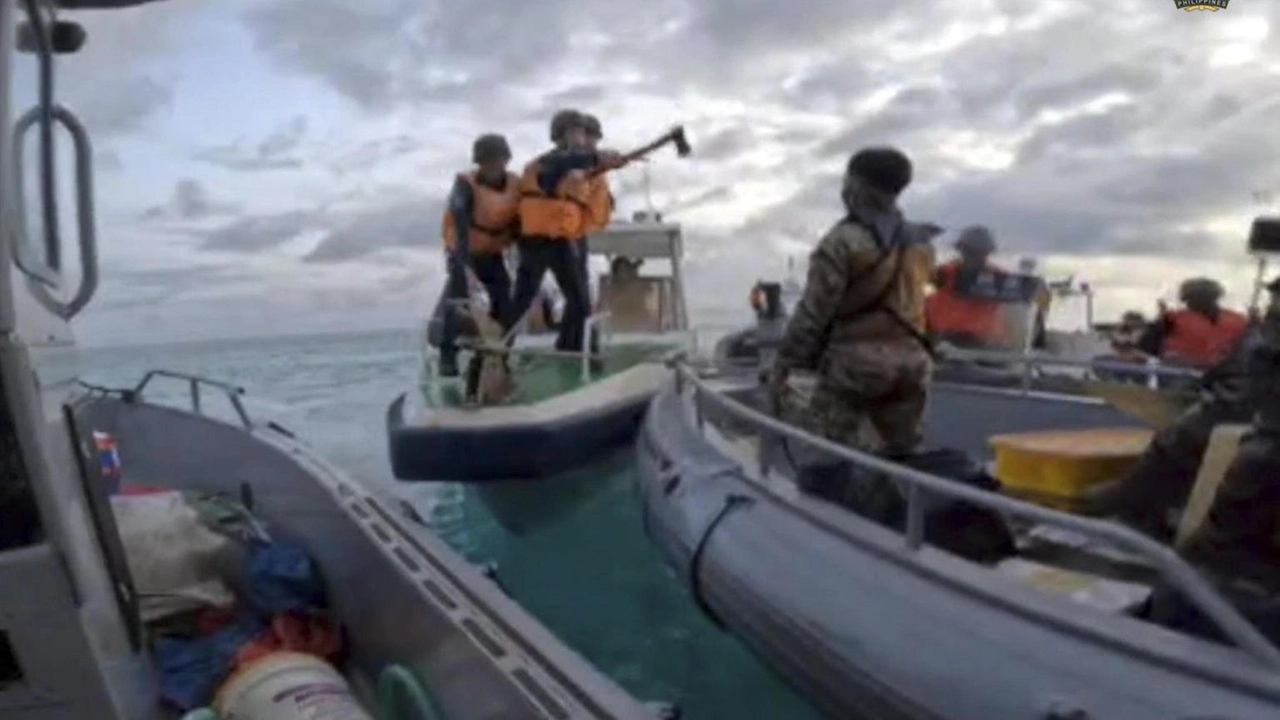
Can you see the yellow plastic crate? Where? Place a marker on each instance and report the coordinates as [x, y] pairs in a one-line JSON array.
[[1057, 467]]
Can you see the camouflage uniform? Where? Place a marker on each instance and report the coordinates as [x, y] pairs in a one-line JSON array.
[[866, 281], [876, 386]]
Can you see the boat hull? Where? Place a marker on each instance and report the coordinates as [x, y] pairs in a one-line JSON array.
[[526, 442], [864, 627], [432, 611]]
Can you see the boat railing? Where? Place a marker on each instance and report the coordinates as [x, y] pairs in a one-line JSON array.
[[233, 393], [1176, 572], [1152, 370], [597, 320]]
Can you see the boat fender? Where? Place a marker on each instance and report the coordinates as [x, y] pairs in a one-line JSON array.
[[732, 502], [402, 697]]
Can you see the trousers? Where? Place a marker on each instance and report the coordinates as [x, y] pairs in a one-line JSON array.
[[492, 273], [562, 257]]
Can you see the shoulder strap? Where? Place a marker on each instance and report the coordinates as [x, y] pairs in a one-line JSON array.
[[878, 302]]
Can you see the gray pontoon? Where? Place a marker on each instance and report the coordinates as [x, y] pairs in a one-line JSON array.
[[870, 622]]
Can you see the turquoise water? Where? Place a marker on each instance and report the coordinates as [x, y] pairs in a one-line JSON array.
[[588, 572]]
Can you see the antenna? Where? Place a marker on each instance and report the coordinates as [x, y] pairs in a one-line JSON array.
[[648, 189]]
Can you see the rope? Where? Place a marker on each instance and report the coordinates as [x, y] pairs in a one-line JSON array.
[[731, 502], [402, 697]]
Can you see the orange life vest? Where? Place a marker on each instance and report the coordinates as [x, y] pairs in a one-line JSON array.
[[949, 312], [563, 215], [493, 218], [1199, 341], [599, 204]]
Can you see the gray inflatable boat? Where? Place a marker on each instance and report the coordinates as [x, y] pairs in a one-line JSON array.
[[871, 622]]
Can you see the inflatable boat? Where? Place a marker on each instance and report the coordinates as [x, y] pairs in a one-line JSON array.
[[421, 628], [869, 619]]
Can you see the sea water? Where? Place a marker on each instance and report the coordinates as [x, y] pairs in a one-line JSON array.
[[591, 576]]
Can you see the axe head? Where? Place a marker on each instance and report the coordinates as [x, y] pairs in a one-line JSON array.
[[683, 148]]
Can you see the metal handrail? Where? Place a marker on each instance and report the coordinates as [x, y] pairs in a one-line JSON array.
[[1044, 360], [233, 392], [87, 235], [1181, 575]]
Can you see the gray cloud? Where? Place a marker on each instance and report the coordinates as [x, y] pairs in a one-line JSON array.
[[123, 107], [1092, 128], [106, 160], [699, 199], [190, 201], [369, 154], [260, 232], [124, 75], [402, 223], [274, 152], [348, 233], [128, 287], [358, 47]]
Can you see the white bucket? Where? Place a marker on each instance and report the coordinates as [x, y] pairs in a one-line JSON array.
[[288, 686]]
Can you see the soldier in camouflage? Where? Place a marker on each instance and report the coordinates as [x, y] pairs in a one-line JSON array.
[[860, 321]]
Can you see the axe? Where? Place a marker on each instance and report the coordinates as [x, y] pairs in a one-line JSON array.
[[674, 136]]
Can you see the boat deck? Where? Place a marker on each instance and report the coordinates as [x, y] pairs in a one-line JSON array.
[[541, 376]]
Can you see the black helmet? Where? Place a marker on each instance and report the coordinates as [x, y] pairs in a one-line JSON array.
[[885, 168], [592, 125], [976, 238], [564, 121], [490, 147], [1200, 288]]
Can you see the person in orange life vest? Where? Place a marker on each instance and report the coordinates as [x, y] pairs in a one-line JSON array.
[[600, 200], [600, 204], [953, 316], [1199, 335], [553, 221], [480, 222]]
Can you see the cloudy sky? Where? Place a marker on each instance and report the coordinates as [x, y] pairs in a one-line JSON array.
[[279, 165]]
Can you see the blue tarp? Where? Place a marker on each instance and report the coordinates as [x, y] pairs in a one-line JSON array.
[[279, 578], [192, 668]]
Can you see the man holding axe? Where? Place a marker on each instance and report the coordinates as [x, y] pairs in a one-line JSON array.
[[555, 218], [600, 206]]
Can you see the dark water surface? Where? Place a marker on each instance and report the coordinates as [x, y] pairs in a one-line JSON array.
[[591, 575]]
